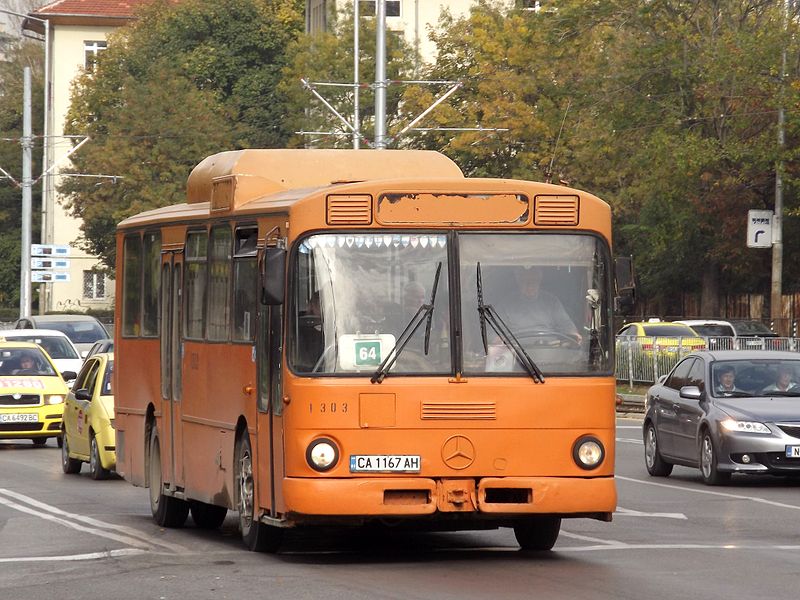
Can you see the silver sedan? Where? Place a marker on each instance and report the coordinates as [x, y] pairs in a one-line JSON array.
[[726, 412]]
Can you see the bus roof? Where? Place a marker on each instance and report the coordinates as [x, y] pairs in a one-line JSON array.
[[230, 179]]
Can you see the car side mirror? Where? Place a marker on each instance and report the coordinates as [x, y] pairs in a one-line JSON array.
[[84, 353], [83, 395], [691, 392], [68, 375]]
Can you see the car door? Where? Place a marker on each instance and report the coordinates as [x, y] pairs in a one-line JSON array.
[[665, 402], [76, 413], [689, 413]]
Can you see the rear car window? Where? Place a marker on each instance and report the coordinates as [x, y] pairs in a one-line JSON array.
[[670, 330]]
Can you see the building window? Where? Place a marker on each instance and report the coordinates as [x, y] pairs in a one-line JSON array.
[[316, 16], [90, 52], [370, 7], [94, 285]]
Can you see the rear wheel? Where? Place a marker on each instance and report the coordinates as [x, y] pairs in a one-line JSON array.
[[167, 511], [207, 516], [256, 535], [538, 533], [95, 466], [69, 465], [708, 462], [656, 466]]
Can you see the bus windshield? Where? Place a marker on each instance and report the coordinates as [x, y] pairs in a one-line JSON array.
[[354, 295]]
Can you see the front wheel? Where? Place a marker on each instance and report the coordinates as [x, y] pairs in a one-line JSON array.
[[167, 510], [708, 462], [39, 441], [656, 465], [69, 465], [256, 535], [538, 534]]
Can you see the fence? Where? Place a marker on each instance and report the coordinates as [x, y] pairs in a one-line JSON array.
[[644, 359]]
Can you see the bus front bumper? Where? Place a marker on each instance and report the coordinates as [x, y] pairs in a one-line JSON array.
[[423, 496]]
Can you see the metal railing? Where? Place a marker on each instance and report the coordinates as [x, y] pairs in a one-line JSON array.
[[644, 359]]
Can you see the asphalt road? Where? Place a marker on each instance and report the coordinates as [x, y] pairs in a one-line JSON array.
[[72, 537]]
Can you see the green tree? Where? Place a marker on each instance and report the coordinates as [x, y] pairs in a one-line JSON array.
[[186, 80], [11, 107]]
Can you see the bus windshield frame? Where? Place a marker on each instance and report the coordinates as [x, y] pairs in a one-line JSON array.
[[352, 294]]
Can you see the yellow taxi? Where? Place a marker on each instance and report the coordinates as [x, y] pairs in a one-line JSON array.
[[89, 419], [659, 337], [32, 393]]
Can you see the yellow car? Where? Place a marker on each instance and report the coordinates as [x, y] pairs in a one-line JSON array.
[[32, 393], [89, 420]]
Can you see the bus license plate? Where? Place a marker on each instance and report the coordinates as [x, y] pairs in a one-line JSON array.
[[19, 418], [384, 463], [792, 451]]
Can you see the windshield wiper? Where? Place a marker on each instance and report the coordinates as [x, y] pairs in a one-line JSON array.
[[423, 312], [488, 314]]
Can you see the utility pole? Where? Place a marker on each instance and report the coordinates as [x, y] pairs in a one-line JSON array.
[[776, 296], [27, 184], [356, 116], [380, 76]]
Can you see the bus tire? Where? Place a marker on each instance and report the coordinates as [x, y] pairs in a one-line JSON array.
[[538, 534], [207, 516], [167, 510], [257, 536]]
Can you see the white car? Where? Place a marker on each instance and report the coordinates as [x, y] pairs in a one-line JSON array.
[[63, 352]]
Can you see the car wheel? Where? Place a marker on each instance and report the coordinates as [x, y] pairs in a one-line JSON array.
[[60, 440], [656, 465], [538, 534], [708, 462], [39, 441], [167, 510], [69, 465], [207, 516], [257, 536], [95, 466]]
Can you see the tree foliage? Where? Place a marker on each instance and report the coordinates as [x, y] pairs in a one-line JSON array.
[[186, 80], [18, 57]]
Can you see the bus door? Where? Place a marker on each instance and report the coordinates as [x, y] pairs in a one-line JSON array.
[[171, 367], [269, 350]]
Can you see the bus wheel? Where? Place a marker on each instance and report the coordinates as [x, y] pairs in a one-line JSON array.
[[257, 536], [207, 516], [538, 533], [167, 511]]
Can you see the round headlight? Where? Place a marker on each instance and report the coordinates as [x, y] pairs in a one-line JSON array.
[[588, 452], [54, 399], [322, 454]]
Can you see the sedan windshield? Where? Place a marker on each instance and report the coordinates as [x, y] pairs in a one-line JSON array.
[[25, 361], [56, 347], [755, 378]]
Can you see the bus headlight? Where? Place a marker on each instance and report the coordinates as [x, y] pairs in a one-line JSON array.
[[588, 452], [53, 399], [322, 454]]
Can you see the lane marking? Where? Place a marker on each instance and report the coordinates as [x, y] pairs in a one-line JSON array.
[[130, 536], [630, 441], [710, 493], [639, 427], [606, 547], [627, 512], [76, 557], [586, 538]]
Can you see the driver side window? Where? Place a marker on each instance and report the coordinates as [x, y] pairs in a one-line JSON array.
[[680, 376], [696, 375]]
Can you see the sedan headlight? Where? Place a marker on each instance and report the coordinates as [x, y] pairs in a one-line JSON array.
[[745, 426], [55, 399]]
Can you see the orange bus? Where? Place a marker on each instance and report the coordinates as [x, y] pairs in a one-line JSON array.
[[348, 336]]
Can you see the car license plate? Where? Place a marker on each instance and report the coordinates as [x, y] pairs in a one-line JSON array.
[[792, 451], [19, 418], [384, 463]]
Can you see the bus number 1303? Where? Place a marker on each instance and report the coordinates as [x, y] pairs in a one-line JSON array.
[[327, 407]]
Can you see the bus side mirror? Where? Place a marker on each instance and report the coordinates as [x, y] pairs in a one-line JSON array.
[[623, 305], [272, 275], [625, 285]]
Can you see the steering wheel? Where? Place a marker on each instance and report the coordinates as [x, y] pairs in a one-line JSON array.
[[545, 337]]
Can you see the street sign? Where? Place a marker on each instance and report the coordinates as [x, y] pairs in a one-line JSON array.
[[49, 250], [759, 228], [48, 277], [50, 263]]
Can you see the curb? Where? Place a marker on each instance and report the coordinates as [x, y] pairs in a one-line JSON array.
[[630, 403]]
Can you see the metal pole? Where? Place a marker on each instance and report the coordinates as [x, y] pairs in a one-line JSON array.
[[776, 300], [380, 76], [46, 237], [356, 117], [27, 183]]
